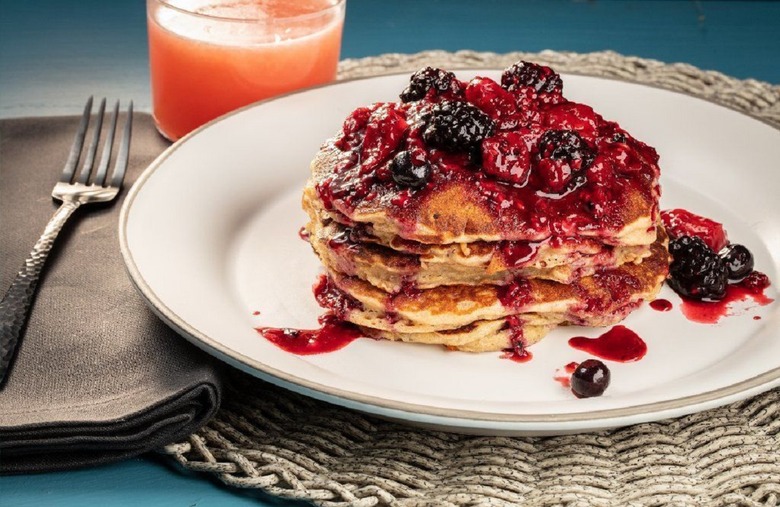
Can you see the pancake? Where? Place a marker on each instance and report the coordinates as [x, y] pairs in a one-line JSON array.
[[482, 336], [602, 299], [390, 268]]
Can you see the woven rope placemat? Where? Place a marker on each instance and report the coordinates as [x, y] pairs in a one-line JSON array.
[[294, 447]]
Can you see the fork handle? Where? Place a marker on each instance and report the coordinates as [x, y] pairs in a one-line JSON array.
[[15, 306]]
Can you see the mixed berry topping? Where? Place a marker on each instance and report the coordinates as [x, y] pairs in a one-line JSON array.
[[590, 378], [738, 261], [526, 74], [540, 165], [457, 126], [696, 271], [441, 82]]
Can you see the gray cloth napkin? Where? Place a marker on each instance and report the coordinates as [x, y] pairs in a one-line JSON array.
[[97, 376]]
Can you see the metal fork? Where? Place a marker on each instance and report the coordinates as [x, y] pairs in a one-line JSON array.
[[73, 190]]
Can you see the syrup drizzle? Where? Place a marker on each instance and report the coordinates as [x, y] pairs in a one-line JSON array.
[[618, 344]]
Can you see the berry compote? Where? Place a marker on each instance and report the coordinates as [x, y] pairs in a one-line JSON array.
[[531, 163]]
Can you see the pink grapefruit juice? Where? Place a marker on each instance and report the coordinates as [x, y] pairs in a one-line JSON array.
[[216, 56]]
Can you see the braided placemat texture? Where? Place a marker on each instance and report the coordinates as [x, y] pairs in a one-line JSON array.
[[294, 447]]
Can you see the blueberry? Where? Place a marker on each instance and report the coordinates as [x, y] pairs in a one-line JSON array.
[[457, 126], [540, 78], [591, 378], [406, 174], [696, 271], [423, 80], [738, 261]]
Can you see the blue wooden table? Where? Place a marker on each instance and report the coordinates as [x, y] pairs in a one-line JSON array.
[[54, 53]]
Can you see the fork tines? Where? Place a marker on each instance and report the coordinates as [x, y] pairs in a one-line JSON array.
[[98, 176]]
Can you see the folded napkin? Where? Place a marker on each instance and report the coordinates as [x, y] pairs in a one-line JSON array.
[[97, 376]]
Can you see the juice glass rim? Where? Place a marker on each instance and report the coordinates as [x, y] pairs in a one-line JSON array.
[[334, 4]]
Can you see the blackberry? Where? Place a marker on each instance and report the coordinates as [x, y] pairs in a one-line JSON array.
[[566, 145], [562, 157], [738, 261], [540, 78], [590, 378], [424, 79], [406, 174], [696, 271], [457, 126]]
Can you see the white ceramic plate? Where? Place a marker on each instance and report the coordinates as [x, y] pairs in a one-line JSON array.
[[210, 236]]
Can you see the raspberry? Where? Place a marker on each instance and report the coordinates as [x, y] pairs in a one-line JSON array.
[[573, 116], [696, 271], [457, 126], [440, 81], [680, 222], [562, 154], [498, 103], [384, 132], [353, 125], [526, 74], [506, 157], [755, 282]]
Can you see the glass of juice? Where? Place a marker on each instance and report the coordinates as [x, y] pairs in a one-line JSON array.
[[209, 57]]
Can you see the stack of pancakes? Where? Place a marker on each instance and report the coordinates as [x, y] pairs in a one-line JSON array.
[[441, 265]]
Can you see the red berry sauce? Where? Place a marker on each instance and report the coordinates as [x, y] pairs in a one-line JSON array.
[[334, 334], [661, 305], [706, 312], [563, 376], [517, 351], [508, 178], [517, 355], [618, 344], [518, 253], [331, 297], [303, 234]]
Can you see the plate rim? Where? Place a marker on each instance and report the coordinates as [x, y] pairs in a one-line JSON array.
[[460, 418]]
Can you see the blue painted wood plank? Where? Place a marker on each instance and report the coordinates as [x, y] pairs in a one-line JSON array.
[[152, 481]]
